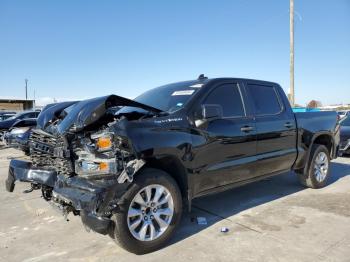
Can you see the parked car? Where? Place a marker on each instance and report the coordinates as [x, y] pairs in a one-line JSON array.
[[18, 135], [343, 113], [345, 135], [5, 125], [128, 174], [6, 114]]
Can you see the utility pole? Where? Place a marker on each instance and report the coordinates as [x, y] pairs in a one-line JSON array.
[[26, 81], [34, 106], [291, 36]]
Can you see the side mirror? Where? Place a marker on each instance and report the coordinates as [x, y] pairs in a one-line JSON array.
[[211, 111]]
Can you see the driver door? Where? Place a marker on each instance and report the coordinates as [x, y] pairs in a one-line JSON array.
[[225, 149]]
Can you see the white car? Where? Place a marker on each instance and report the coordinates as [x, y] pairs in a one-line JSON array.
[[343, 114]]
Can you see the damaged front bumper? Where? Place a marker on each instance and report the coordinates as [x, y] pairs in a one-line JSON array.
[[23, 171], [94, 200]]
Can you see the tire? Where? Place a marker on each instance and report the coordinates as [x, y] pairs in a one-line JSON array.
[[127, 238], [310, 177]]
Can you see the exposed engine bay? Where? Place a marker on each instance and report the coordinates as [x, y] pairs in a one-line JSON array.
[[82, 158], [121, 165]]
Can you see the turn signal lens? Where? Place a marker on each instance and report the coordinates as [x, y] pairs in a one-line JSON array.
[[104, 143], [103, 166]]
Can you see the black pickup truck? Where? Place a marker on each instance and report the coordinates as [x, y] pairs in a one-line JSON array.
[[128, 172]]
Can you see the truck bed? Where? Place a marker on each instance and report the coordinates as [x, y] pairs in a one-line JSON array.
[[310, 123]]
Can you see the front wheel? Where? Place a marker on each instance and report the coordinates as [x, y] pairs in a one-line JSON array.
[[317, 172], [151, 211]]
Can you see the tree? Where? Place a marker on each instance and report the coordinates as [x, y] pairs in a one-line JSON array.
[[314, 104]]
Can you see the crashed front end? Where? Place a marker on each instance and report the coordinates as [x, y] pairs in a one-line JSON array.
[[81, 159]]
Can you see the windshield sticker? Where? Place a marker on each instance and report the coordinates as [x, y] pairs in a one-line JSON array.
[[197, 85], [179, 104], [183, 93]]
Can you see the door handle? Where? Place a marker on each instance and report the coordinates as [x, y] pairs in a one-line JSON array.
[[288, 125], [247, 128]]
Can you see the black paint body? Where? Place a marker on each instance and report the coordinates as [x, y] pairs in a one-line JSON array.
[[219, 154]]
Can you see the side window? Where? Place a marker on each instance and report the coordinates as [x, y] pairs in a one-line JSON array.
[[265, 99], [229, 97]]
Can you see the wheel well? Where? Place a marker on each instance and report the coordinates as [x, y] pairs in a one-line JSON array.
[[325, 140], [174, 168]]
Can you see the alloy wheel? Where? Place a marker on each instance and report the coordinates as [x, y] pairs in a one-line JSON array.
[[321, 166], [150, 212]]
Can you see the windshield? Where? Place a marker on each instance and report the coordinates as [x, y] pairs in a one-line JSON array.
[[168, 98], [345, 122]]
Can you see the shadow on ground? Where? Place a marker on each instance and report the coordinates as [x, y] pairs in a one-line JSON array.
[[223, 206]]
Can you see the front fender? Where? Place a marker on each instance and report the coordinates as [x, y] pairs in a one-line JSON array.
[[153, 137]]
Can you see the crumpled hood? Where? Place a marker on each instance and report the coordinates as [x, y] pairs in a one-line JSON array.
[[84, 113], [51, 112]]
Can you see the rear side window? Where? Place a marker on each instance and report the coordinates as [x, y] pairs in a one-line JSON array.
[[229, 98], [265, 99]]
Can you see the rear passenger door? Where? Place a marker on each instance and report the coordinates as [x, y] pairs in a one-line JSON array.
[[275, 127]]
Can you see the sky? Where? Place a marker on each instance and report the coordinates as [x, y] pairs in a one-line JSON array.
[[81, 49]]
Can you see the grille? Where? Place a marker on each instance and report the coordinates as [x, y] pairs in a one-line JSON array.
[[49, 152]]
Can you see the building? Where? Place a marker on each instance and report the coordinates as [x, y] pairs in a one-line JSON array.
[[336, 107], [12, 104]]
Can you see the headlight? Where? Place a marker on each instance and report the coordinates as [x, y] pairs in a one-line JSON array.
[[103, 141], [95, 167], [90, 162]]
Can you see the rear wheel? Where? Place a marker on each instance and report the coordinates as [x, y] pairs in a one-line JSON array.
[[317, 172], [150, 212]]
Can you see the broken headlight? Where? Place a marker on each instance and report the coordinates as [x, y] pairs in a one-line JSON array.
[[97, 157], [103, 141], [95, 166]]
